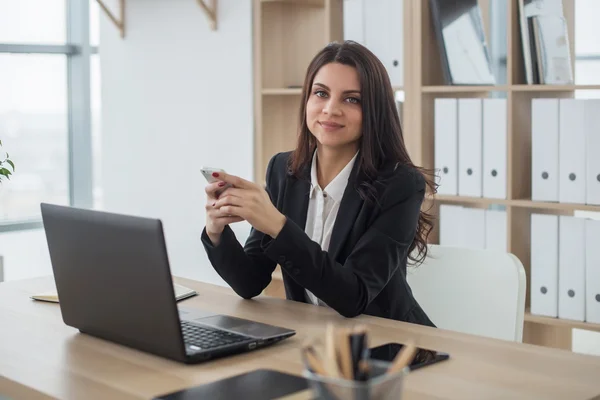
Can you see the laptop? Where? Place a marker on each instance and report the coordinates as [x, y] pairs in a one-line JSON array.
[[114, 282]]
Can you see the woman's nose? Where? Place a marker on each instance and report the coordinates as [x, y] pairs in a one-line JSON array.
[[331, 108]]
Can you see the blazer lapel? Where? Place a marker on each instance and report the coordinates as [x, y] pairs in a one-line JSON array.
[[349, 208], [295, 207], [296, 201]]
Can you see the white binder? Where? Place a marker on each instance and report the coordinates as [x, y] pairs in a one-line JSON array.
[[571, 182], [354, 21], [494, 148], [592, 130], [544, 146], [592, 271], [495, 230], [473, 226], [469, 147], [571, 268], [544, 265], [446, 145], [383, 35], [451, 225]]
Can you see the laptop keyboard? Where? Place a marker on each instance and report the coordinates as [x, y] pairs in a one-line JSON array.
[[206, 338]]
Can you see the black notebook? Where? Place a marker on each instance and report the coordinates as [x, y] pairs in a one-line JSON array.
[[261, 384]]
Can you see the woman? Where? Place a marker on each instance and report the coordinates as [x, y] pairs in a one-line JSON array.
[[341, 213]]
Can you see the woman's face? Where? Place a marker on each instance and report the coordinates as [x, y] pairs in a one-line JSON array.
[[333, 110]]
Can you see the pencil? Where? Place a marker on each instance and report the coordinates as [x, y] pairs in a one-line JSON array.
[[404, 357]]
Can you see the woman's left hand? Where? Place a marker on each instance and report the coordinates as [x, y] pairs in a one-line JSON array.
[[251, 202]]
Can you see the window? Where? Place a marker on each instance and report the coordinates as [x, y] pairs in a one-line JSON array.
[[33, 21], [34, 129], [49, 107]]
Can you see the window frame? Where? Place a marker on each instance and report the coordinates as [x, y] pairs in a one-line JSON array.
[[78, 51]]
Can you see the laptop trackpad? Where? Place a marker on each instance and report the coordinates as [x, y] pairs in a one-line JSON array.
[[242, 326]]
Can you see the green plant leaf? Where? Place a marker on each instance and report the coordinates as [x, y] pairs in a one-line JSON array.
[[4, 171], [11, 164]]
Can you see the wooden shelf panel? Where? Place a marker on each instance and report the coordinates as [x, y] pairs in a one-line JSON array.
[[291, 33], [560, 322], [552, 88], [507, 88], [544, 205], [475, 201], [520, 203], [308, 3], [463, 89], [282, 91]]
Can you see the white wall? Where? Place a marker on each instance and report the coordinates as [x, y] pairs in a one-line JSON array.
[[175, 96], [25, 254]]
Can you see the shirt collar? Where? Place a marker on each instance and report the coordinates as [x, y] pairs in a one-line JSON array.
[[337, 186]]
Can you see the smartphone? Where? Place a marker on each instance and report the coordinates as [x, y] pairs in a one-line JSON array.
[[208, 175], [208, 171], [387, 352]]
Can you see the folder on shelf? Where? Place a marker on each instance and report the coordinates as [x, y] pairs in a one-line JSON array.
[[544, 146], [592, 271], [470, 147], [571, 164], [571, 268], [446, 145], [494, 148], [451, 225], [544, 265], [181, 292], [553, 56], [383, 33], [592, 130], [464, 54], [496, 230], [354, 21], [530, 8], [473, 226]]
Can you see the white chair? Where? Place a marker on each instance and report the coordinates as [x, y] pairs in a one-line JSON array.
[[481, 292]]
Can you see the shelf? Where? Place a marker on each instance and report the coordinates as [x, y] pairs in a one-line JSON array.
[[507, 88], [210, 11], [282, 91], [308, 3], [463, 89], [552, 88], [566, 323], [119, 21], [476, 201], [521, 203], [546, 205]]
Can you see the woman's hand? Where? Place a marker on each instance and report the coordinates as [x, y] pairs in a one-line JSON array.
[[216, 219], [249, 201]]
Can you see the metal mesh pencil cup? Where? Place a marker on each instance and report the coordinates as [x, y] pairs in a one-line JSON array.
[[379, 386]]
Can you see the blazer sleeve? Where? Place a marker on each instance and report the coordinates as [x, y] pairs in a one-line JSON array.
[[383, 248], [246, 269]]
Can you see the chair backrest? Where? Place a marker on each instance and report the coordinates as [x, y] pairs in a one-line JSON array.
[[481, 292]]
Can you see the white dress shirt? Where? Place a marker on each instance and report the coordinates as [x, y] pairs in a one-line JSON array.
[[323, 206]]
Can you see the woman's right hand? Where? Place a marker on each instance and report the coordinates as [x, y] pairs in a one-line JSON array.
[[215, 219]]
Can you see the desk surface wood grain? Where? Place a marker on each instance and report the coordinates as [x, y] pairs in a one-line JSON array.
[[41, 357]]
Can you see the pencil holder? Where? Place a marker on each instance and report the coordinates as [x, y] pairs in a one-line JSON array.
[[379, 386]]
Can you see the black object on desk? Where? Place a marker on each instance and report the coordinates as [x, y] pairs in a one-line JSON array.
[[261, 384]]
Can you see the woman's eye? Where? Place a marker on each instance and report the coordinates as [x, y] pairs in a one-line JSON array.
[[353, 100], [320, 93]]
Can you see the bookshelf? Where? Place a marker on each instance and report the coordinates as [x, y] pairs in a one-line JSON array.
[[308, 25], [429, 85]]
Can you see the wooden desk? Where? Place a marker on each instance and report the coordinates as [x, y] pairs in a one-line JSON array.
[[40, 357]]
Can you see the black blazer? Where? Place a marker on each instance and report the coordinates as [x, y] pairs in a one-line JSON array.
[[364, 270]]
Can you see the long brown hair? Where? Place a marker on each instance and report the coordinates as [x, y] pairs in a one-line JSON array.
[[381, 141]]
